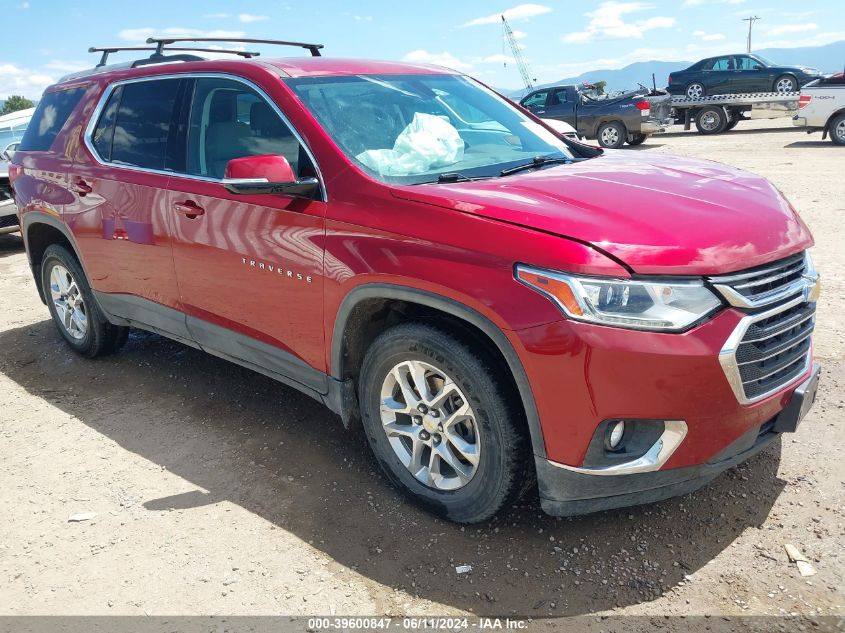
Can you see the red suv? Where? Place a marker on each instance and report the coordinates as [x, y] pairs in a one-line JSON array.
[[491, 302]]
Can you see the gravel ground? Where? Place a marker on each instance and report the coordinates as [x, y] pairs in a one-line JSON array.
[[218, 491]]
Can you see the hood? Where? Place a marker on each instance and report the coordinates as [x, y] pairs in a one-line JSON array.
[[658, 215]]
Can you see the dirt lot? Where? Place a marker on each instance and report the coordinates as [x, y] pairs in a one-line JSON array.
[[219, 491]]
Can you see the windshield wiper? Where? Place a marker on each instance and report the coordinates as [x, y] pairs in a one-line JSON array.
[[451, 176], [536, 163]]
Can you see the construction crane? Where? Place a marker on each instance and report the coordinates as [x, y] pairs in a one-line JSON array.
[[517, 56]]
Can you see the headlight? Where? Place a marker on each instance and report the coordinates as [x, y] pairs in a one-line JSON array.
[[628, 303]]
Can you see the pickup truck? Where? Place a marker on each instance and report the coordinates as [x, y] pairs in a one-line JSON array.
[[821, 107], [613, 120]]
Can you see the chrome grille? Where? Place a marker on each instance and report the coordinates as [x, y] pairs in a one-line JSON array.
[[775, 350], [771, 347], [763, 285]]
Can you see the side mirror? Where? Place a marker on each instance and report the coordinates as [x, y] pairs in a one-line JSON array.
[[263, 174]]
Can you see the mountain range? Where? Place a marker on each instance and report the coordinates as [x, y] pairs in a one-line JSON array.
[[829, 58]]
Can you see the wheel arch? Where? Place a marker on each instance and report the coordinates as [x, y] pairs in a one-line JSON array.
[[40, 230], [366, 309], [832, 116]]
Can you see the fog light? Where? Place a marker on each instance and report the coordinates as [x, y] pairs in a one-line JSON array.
[[615, 434]]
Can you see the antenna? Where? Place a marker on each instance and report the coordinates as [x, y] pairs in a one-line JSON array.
[[751, 20], [517, 56]]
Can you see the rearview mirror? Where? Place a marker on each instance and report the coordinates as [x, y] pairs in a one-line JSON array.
[[266, 174]]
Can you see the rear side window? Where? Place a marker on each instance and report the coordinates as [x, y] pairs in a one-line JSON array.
[[50, 116], [138, 124]]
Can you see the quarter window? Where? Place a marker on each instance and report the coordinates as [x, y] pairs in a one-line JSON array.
[[229, 120], [50, 117]]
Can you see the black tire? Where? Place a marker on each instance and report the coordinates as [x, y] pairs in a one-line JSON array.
[[711, 120], [637, 139], [731, 124], [836, 129], [696, 88], [611, 135], [100, 336], [504, 466], [793, 84]]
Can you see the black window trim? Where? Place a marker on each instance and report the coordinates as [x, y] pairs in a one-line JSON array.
[[104, 98]]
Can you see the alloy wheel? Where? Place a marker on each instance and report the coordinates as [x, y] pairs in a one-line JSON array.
[[67, 299], [610, 136], [695, 91], [785, 84], [839, 130], [430, 425]]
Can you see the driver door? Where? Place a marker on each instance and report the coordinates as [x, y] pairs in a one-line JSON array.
[[249, 267], [559, 107]]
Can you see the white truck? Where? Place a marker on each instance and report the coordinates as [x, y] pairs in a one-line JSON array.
[[821, 107]]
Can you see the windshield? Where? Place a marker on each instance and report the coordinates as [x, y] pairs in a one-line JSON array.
[[765, 60], [410, 129]]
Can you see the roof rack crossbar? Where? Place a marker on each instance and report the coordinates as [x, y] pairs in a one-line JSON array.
[[106, 51], [161, 42]]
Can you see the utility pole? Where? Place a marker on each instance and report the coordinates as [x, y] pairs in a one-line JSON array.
[[751, 20]]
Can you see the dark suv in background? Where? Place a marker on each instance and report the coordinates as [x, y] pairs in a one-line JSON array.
[[490, 302]]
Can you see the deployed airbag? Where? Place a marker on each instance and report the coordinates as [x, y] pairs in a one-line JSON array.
[[427, 143]]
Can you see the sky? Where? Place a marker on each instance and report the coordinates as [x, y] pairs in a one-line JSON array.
[[45, 39]]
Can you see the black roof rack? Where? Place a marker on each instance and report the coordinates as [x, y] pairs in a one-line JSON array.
[[157, 56], [161, 42]]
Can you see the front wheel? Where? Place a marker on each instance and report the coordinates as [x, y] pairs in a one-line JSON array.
[[637, 139], [611, 135], [837, 130], [785, 83], [72, 306], [443, 422]]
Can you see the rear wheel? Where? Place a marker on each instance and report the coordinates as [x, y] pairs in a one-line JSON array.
[[731, 124], [611, 135], [837, 129], [711, 120], [72, 306], [695, 90], [637, 139], [442, 422], [785, 83]]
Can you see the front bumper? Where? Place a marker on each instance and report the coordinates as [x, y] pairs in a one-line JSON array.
[[565, 491]]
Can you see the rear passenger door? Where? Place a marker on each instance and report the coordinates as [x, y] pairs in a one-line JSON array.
[[118, 214], [718, 78], [249, 267]]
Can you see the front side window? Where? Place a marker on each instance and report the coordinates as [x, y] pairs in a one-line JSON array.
[[536, 100], [138, 125], [228, 119], [408, 129], [49, 118]]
